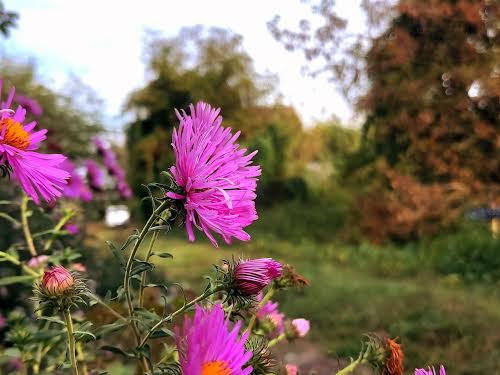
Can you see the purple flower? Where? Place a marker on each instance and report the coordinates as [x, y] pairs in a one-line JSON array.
[[207, 346], [31, 105], [251, 276], [72, 229], [95, 175], [76, 187], [218, 181], [430, 371], [38, 174]]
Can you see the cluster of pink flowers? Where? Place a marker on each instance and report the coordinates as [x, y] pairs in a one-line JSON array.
[[76, 187], [269, 313], [114, 168]]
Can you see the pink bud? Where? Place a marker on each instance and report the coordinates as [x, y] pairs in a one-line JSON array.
[[38, 261], [57, 281], [251, 276], [301, 326], [78, 267]]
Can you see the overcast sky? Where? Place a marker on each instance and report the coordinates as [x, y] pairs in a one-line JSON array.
[[101, 42]]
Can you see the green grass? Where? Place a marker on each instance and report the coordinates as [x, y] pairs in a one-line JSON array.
[[438, 319]]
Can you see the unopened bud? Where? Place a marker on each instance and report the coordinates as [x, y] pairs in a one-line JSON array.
[[57, 281]]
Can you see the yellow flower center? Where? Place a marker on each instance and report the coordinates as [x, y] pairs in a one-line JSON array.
[[215, 368], [15, 135]]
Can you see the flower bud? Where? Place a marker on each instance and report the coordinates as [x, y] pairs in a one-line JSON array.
[[384, 353], [291, 369], [38, 261], [57, 281], [251, 276], [301, 327]]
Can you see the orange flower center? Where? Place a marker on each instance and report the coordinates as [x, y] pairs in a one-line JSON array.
[[215, 368], [15, 135]]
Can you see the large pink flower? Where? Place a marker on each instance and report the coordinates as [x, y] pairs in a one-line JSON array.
[[217, 176], [207, 346], [38, 174]]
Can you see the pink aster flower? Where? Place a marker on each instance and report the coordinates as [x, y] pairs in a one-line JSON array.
[[291, 369], [301, 327], [95, 175], [207, 346], [31, 105], [216, 176], [38, 174], [430, 371], [251, 276], [76, 187]]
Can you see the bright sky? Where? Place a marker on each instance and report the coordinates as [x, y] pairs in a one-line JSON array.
[[101, 42]]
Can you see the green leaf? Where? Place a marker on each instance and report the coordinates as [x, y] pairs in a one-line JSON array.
[[116, 350], [110, 328], [47, 334], [16, 279], [140, 266], [164, 255], [10, 218], [117, 253], [52, 319], [163, 332], [159, 227], [130, 239], [84, 336]]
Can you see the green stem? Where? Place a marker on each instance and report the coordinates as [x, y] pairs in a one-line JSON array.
[[71, 341], [143, 276], [201, 297], [81, 358], [105, 305], [15, 261], [128, 267], [126, 278], [57, 228], [276, 340], [350, 368], [25, 226], [264, 300]]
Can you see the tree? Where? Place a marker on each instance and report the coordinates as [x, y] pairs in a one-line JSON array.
[[431, 104], [198, 64]]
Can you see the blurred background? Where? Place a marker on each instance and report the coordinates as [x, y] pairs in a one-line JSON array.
[[378, 129]]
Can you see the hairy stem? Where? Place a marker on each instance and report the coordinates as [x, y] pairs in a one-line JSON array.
[[276, 340], [25, 226], [15, 261], [143, 276], [350, 368], [71, 341], [264, 300], [57, 228], [128, 270]]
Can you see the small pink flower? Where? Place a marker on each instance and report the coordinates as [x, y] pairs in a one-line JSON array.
[[38, 261], [251, 276], [291, 369], [301, 326], [57, 281], [270, 313], [2, 321], [430, 371], [72, 229]]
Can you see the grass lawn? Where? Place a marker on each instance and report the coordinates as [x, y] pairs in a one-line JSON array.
[[437, 320]]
